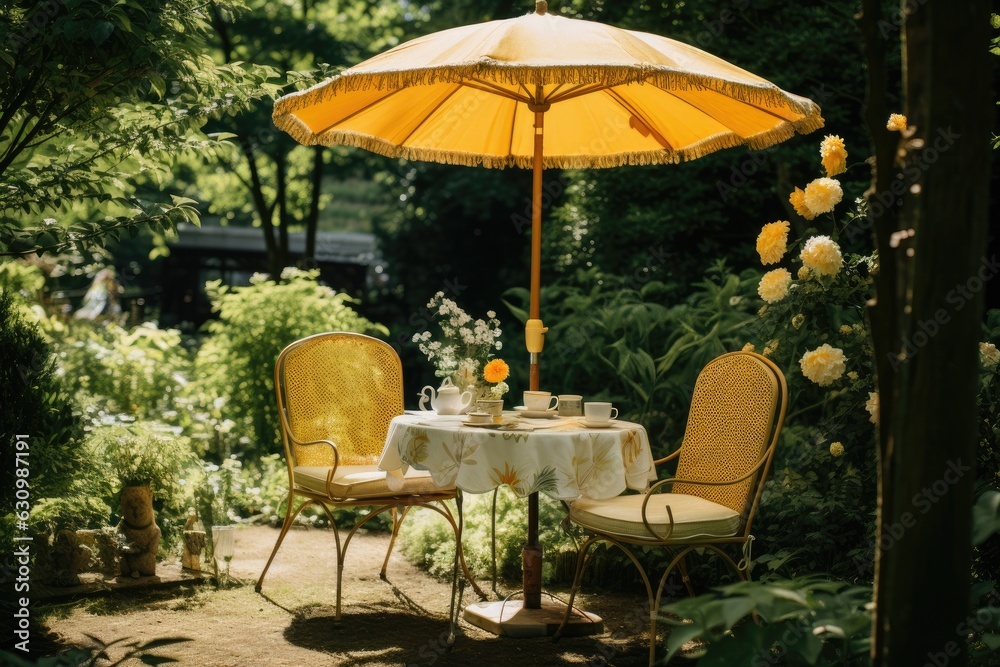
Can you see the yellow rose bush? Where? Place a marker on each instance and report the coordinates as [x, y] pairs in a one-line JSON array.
[[813, 326]]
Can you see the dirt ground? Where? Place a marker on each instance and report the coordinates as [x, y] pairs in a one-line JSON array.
[[400, 622]]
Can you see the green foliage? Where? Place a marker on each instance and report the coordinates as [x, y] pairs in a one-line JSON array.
[[23, 279], [235, 364], [79, 509], [613, 338], [428, 541], [806, 621], [36, 405], [138, 371], [101, 98], [137, 456], [988, 452]]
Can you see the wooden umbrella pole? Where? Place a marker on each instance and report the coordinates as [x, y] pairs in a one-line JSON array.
[[531, 555]]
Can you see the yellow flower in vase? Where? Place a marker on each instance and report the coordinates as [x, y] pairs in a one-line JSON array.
[[495, 372]]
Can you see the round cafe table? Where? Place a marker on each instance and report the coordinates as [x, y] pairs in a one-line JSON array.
[[559, 457]]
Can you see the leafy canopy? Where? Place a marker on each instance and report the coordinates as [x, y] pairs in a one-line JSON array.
[[99, 99]]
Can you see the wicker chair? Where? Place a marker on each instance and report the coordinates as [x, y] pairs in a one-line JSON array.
[[337, 393], [736, 415]]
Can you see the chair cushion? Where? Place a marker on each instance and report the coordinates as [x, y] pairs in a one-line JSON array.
[[694, 517], [365, 482]]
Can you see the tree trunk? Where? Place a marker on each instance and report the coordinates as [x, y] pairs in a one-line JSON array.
[[926, 324], [264, 212], [284, 220], [312, 222]]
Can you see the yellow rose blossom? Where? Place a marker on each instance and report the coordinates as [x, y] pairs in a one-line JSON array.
[[845, 329], [872, 407], [834, 155], [495, 371], [852, 375], [822, 195], [774, 285], [748, 347], [897, 122], [824, 365], [837, 449], [803, 273], [989, 355], [772, 242], [822, 255], [798, 201]]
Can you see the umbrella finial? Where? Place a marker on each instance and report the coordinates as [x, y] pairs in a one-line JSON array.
[[541, 6]]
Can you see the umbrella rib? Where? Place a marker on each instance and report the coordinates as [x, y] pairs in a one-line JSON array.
[[749, 104], [492, 88], [582, 89], [635, 112], [437, 106], [548, 98], [359, 111]]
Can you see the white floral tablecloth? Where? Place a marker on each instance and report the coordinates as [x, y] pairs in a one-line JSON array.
[[558, 457]]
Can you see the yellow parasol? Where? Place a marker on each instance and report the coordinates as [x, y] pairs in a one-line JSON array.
[[544, 91]]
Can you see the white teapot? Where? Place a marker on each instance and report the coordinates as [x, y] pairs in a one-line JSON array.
[[447, 400]]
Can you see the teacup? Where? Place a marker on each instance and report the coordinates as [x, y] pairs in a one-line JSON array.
[[492, 407], [480, 417], [597, 411], [539, 401], [570, 405]]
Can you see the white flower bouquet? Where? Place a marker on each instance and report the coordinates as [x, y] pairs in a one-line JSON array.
[[465, 345]]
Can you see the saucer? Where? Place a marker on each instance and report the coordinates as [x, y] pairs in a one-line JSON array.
[[505, 424], [536, 414], [587, 424]]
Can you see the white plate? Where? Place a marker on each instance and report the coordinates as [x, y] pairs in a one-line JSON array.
[[536, 414], [606, 424]]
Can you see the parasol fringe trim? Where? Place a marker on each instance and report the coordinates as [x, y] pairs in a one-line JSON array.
[[762, 94], [302, 134]]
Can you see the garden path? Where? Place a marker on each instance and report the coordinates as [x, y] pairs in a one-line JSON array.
[[292, 623]]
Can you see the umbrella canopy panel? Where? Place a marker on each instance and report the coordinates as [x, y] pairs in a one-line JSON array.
[[611, 97]]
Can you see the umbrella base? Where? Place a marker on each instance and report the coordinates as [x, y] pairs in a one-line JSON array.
[[510, 619]]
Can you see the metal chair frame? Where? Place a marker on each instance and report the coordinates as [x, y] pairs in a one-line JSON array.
[[682, 547], [399, 505]]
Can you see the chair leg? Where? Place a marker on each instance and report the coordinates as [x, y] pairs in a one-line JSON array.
[[493, 540], [446, 513], [581, 565], [457, 588], [397, 522], [289, 520], [682, 566], [654, 610]]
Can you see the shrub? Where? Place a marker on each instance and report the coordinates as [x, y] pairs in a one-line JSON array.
[[145, 453], [137, 372], [235, 364], [428, 541], [612, 338], [35, 403]]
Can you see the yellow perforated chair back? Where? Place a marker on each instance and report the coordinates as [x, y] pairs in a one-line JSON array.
[[731, 423], [341, 387]]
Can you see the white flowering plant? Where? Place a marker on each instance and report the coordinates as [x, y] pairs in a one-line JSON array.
[[464, 345]]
